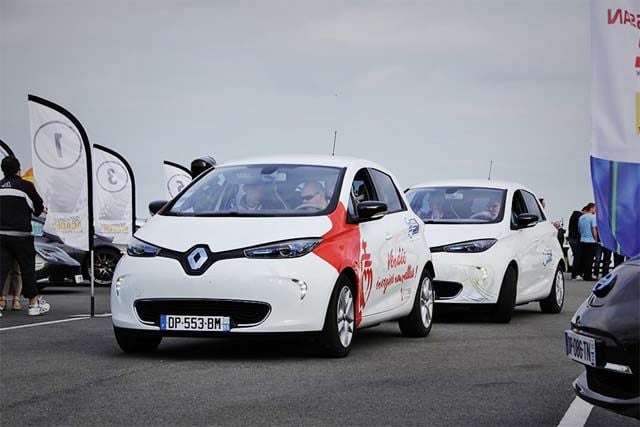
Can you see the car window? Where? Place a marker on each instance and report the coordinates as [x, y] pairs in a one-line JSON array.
[[518, 206], [261, 190], [387, 191], [362, 190], [458, 205], [532, 205]]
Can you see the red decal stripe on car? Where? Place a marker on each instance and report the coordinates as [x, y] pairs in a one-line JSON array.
[[342, 247]]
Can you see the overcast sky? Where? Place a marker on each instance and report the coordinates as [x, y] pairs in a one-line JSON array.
[[430, 89]]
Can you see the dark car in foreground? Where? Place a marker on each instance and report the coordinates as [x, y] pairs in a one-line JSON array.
[[106, 256], [605, 337]]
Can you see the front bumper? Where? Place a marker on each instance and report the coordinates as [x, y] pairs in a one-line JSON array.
[[629, 406], [467, 278], [273, 282]]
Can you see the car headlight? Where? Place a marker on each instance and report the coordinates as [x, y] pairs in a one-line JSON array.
[[40, 262], [139, 248], [288, 249], [472, 246]]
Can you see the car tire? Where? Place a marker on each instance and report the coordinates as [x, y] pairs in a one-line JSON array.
[[555, 301], [339, 323], [130, 342], [419, 321], [507, 298], [103, 259]]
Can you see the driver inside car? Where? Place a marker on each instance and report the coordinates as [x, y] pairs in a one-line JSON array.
[[313, 196], [492, 212]]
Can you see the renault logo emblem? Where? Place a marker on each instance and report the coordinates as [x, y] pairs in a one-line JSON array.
[[197, 258]]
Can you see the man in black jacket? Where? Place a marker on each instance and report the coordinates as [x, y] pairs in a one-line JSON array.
[[18, 201]]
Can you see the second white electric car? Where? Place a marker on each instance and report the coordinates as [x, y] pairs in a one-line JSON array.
[[491, 244]]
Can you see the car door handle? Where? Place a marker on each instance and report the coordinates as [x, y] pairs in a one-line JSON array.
[[388, 236]]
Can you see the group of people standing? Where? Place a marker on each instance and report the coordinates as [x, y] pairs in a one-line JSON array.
[[587, 249]]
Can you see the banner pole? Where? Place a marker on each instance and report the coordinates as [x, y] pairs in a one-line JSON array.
[[93, 301]]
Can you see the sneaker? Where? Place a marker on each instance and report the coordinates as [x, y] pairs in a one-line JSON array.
[[40, 307], [579, 278]]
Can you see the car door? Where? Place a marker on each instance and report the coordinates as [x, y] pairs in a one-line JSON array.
[[399, 248], [544, 236], [525, 245], [372, 258]]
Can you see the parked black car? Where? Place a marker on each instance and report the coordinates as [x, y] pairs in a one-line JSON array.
[[51, 259], [106, 256], [605, 337]]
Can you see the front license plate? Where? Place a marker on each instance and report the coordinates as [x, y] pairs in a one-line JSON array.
[[172, 322], [580, 348]]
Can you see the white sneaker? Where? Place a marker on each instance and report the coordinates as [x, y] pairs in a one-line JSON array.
[[40, 307]]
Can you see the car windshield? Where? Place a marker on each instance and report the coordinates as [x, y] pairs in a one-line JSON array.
[[458, 205], [261, 190]]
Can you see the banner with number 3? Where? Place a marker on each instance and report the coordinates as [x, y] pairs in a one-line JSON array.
[[113, 195]]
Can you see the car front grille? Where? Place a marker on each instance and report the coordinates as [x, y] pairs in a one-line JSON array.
[[242, 313]]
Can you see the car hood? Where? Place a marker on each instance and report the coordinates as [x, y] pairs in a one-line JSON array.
[[444, 234], [224, 233]]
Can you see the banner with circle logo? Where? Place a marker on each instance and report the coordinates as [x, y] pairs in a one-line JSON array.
[[176, 178], [113, 195], [5, 150], [61, 159]]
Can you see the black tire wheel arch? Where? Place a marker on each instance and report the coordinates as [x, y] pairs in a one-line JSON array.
[[503, 309], [550, 303], [130, 342], [412, 324], [111, 255], [331, 346]]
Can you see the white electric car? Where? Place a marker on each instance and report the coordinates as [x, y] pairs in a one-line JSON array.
[[277, 245], [491, 244]]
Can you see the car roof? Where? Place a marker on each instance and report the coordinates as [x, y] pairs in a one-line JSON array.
[[484, 183], [305, 159]]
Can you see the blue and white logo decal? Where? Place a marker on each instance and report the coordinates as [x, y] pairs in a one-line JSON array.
[[414, 227], [547, 257]]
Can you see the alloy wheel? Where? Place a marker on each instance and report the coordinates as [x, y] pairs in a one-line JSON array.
[[559, 288], [426, 302], [345, 313]]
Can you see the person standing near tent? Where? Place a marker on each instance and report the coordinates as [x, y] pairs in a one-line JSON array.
[[18, 201], [574, 241], [588, 240]]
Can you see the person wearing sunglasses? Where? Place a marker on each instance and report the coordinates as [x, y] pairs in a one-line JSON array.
[[492, 212], [313, 196]]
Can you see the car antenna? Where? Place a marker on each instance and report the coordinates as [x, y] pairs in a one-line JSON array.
[[490, 167], [335, 135]]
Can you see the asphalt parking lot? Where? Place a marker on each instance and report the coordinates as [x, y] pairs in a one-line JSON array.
[[467, 372]]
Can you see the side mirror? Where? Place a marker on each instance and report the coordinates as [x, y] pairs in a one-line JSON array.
[[368, 211], [156, 205], [526, 220]]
